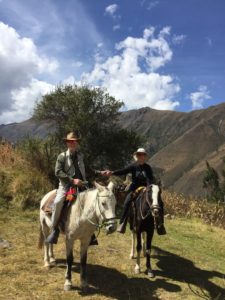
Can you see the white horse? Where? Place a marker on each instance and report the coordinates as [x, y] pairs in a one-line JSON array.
[[92, 209]]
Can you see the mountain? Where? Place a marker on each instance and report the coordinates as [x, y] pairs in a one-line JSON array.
[[178, 142], [16, 131]]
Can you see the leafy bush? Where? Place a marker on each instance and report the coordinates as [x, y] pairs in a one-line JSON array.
[[21, 184], [41, 155], [28, 188]]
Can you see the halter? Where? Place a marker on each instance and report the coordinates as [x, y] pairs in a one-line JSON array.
[[105, 221], [150, 206]]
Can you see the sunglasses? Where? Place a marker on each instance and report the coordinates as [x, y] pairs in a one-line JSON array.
[[71, 142]]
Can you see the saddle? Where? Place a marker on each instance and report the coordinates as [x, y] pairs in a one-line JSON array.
[[48, 207], [139, 190], [133, 211]]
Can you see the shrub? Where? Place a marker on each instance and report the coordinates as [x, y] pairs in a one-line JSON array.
[[210, 213], [21, 184]]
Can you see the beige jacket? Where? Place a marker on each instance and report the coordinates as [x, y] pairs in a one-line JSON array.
[[64, 168]]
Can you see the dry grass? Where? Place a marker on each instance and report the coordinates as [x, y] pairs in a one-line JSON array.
[[20, 183], [210, 213], [188, 261]]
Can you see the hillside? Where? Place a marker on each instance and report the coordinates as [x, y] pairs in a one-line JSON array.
[[15, 131], [178, 142], [197, 249]]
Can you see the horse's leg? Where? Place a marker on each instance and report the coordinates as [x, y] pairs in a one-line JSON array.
[[51, 254], [137, 267], [144, 243], [83, 263], [46, 255], [45, 231], [148, 252], [69, 261], [132, 245]]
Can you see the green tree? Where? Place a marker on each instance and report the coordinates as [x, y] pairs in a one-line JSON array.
[[41, 154], [94, 113], [211, 184]]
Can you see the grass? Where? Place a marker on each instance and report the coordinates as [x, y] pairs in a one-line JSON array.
[[189, 263]]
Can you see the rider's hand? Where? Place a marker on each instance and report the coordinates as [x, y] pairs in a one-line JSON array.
[[109, 173], [106, 173], [77, 182]]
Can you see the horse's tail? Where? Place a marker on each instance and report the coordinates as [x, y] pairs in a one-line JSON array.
[[41, 238]]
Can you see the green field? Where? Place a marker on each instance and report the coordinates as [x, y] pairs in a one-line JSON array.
[[189, 263]]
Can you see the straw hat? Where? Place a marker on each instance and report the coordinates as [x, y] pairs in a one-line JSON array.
[[139, 150], [72, 136]]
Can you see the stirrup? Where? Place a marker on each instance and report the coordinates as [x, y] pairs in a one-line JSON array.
[[53, 237]]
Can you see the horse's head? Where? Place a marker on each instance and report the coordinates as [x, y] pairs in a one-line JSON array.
[[153, 195], [106, 204]]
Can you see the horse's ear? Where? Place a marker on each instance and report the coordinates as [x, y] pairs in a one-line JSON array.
[[110, 186], [98, 186]]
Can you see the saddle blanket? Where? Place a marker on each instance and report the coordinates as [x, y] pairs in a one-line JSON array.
[[49, 204]]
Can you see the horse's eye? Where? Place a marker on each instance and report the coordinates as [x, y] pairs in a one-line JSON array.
[[103, 203]]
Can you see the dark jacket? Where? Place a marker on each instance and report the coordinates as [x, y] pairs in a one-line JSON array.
[[142, 175]]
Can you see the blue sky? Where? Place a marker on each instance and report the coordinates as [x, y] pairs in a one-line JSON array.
[[166, 54]]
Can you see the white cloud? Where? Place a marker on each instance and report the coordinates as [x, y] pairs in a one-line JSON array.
[[111, 9], [198, 98], [178, 39], [152, 5], [116, 27], [24, 100], [77, 64], [209, 41], [130, 75], [70, 80], [20, 63]]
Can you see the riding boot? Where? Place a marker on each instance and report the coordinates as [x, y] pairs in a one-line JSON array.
[[53, 237], [122, 226], [94, 241], [160, 226]]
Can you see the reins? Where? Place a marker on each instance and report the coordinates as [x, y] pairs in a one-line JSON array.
[[149, 204]]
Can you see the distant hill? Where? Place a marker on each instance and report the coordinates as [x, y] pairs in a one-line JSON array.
[[16, 131], [178, 142]]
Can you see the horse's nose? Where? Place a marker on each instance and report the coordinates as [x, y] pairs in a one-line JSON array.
[[111, 228]]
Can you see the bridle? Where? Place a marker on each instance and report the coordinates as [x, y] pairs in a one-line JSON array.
[[151, 206], [105, 221]]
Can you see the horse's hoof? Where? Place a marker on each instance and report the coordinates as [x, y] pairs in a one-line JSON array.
[[150, 274], [52, 260], [53, 263], [137, 271], [132, 256], [47, 265], [84, 287], [67, 287]]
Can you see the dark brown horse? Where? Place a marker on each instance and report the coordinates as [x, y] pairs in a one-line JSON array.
[[144, 218]]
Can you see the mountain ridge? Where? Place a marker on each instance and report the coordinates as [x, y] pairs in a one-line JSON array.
[[178, 142]]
